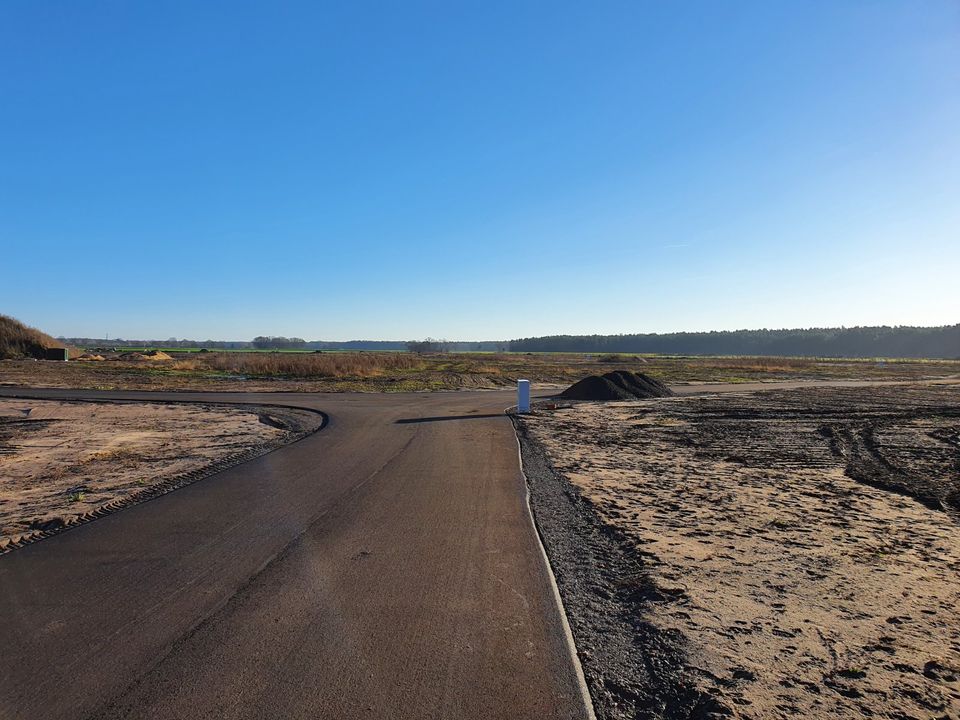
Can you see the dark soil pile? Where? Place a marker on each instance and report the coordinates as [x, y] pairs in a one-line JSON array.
[[596, 387], [642, 386], [617, 385]]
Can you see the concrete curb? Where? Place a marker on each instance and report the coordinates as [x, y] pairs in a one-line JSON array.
[[567, 632]]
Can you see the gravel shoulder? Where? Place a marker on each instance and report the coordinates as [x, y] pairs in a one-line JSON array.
[[632, 668], [64, 462], [790, 553]]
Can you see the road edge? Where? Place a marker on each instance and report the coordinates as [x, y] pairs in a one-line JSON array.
[[571, 644], [175, 482]]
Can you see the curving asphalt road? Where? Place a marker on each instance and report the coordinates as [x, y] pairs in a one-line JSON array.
[[384, 567]]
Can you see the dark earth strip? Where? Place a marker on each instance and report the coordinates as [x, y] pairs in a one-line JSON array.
[[633, 669]]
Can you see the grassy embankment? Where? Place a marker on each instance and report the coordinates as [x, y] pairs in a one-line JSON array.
[[21, 341]]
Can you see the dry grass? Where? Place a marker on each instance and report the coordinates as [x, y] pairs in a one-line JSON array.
[[760, 364], [377, 372], [295, 365], [21, 341]]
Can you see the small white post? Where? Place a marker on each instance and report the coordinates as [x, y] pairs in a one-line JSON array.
[[523, 396]]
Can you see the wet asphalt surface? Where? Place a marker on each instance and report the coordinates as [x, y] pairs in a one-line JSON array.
[[384, 566]]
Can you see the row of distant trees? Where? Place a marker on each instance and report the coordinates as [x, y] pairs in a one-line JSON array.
[[169, 343], [427, 346], [866, 342], [265, 342], [430, 345], [882, 341], [272, 342]]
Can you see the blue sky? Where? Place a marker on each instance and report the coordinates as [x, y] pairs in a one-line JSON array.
[[477, 171]]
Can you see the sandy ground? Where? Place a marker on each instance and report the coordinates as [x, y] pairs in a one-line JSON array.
[[804, 544], [61, 460]]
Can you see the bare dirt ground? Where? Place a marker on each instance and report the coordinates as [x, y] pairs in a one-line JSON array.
[[62, 462], [777, 554]]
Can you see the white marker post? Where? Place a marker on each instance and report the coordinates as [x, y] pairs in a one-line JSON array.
[[523, 396]]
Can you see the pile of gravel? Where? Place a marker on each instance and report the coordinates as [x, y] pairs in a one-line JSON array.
[[617, 385]]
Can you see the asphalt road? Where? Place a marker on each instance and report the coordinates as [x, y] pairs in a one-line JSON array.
[[384, 567]]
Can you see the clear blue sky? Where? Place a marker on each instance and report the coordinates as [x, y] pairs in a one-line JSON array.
[[481, 171]]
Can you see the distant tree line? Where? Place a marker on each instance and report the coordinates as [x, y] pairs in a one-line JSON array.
[[427, 346], [170, 343], [280, 343], [430, 345], [264, 342], [883, 341], [869, 342]]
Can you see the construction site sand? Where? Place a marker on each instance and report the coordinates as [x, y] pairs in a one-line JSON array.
[[800, 592], [59, 460], [153, 356]]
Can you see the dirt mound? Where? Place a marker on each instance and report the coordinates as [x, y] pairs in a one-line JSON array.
[[88, 356], [157, 355], [617, 385], [595, 387], [642, 386], [150, 356]]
